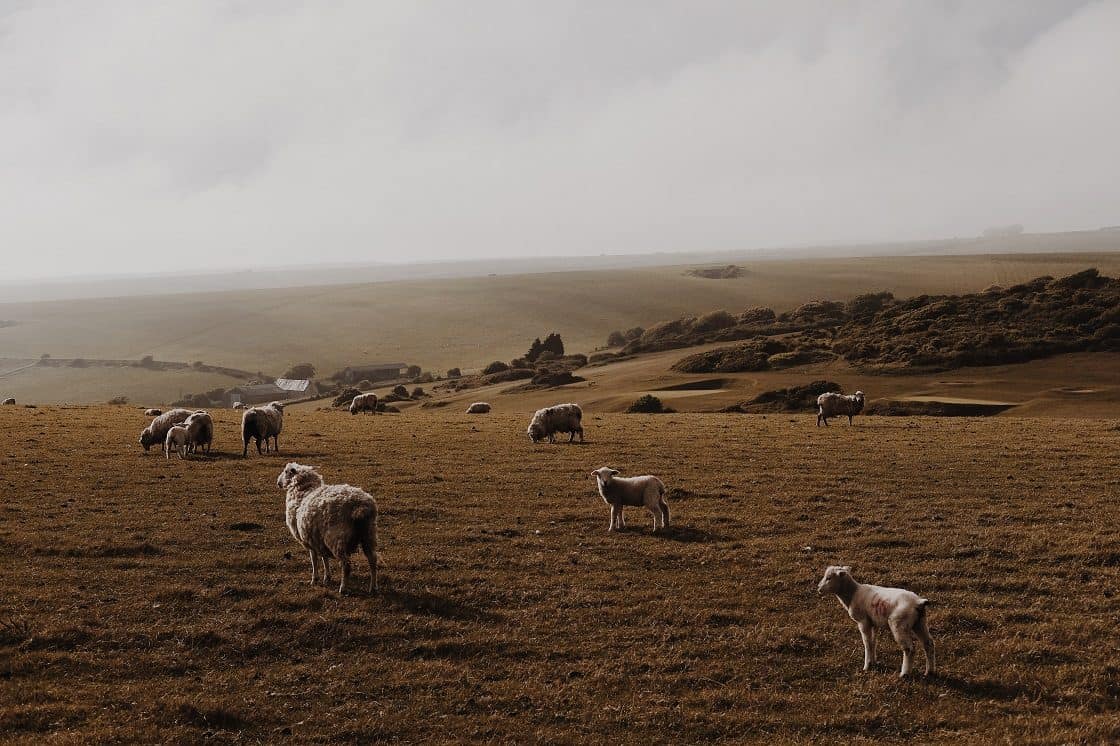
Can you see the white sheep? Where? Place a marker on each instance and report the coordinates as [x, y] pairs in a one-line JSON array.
[[872, 607], [618, 492], [832, 404], [10, 400], [176, 439], [364, 403], [262, 423], [330, 521], [238, 405], [562, 418], [156, 432], [153, 412], [478, 407], [200, 431]]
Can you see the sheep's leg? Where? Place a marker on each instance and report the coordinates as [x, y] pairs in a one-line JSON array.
[[664, 512], [314, 567], [818, 419], [849, 420], [581, 435], [371, 558], [905, 641], [614, 519], [326, 569], [344, 560], [654, 510], [922, 632], [571, 436], [867, 634], [621, 517]]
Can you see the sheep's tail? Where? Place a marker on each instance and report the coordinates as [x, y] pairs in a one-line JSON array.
[[362, 513]]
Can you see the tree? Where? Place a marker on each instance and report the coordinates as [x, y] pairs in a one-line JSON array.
[[553, 344], [300, 370], [495, 367], [454, 373], [616, 339], [534, 350]]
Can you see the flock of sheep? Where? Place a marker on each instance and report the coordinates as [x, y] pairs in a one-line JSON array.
[[333, 521]]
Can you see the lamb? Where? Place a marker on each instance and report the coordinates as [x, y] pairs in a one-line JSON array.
[[618, 492], [153, 412], [330, 521], [872, 606], [262, 423], [200, 431], [364, 403], [157, 431], [562, 418], [10, 400], [479, 407], [176, 439], [832, 404]]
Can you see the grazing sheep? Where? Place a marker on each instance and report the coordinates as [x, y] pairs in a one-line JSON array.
[[153, 412], [262, 423], [10, 400], [200, 431], [238, 405], [364, 403], [330, 521], [562, 418], [618, 492], [176, 439], [832, 404], [479, 407], [157, 431], [872, 606]]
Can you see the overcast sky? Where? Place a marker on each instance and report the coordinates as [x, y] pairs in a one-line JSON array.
[[151, 136]]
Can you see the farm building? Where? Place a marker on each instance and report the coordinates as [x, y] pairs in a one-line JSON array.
[[262, 393], [374, 372]]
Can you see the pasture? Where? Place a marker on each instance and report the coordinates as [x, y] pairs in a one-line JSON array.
[[151, 600]]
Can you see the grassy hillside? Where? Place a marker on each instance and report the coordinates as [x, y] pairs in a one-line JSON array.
[[137, 610]]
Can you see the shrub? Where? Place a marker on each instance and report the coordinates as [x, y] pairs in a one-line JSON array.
[[648, 404], [418, 393], [119, 400], [300, 370], [757, 315], [345, 397], [400, 391], [78, 363], [147, 361], [520, 362], [714, 321], [495, 367], [454, 373], [365, 384], [616, 339]]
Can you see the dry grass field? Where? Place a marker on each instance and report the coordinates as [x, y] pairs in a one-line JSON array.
[[463, 322], [149, 600]]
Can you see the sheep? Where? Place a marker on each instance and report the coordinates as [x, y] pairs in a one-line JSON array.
[[10, 400], [832, 404], [176, 439], [153, 412], [618, 492], [262, 423], [479, 407], [562, 418], [200, 431], [872, 606], [330, 521], [238, 405], [157, 431], [364, 403]]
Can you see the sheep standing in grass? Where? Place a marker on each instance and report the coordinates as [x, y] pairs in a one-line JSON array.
[[330, 521], [479, 407], [832, 404], [176, 439], [200, 431], [873, 607], [562, 418], [153, 412], [364, 403], [618, 492], [262, 423], [156, 432]]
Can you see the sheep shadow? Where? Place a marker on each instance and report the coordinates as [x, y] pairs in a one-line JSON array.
[[439, 606], [687, 534], [989, 689]]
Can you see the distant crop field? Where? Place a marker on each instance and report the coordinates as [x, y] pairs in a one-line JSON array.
[[468, 322], [100, 384], [152, 601]]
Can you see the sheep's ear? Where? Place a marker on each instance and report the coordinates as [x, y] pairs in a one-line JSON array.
[[846, 568], [615, 472]]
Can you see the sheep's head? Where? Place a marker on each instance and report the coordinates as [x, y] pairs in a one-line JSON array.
[[298, 474], [834, 577], [858, 396], [146, 438], [605, 474], [277, 405], [536, 431]]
